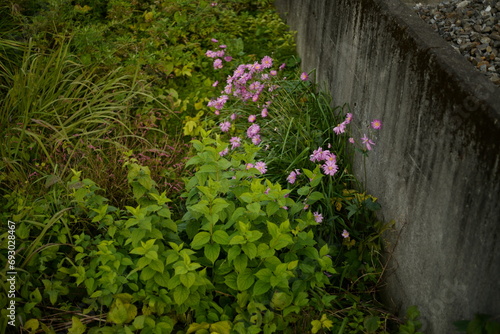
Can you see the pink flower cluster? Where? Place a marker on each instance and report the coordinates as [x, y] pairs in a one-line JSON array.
[[340, 128], [217, 55], [293, 176], [330, 160], [260, 166]]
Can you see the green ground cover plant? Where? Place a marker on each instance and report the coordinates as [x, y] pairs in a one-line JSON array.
[[167, 175]]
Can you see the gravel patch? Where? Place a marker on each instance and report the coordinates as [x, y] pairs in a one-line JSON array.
[[472, 28]]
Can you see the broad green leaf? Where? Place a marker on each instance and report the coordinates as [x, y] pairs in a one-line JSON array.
[[77, 327], [221, 237], [271, 208], [261, 287], [281, 300], [162, 279], [371, 324], [246, 197], [324, 250], [290, 309], [212, 252], [181, 294], [221, 327], [157, 265], [32, 325], [250, 250], [188, 279], [264, 274], [121, 313], [240, 263], [194, 328], [253, 207], [315, 196], [230, 281], [237, 240], [233, 253], [303, 190], [147, 273], [245, 280], [200, 240]]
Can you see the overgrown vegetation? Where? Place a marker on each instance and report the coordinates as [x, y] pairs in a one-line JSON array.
[[145, 198]]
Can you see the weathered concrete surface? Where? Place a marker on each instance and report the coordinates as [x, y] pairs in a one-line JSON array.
[[435, 168]]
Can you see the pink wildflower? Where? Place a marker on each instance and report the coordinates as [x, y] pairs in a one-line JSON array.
[[345, 234], [256, 140], [249, 165], [225, 126], [224, 152], [318, 217], [368, 142], [273, 72], [215, 84], [292, 178], [264, 112], [304, 76], [213, 39], [217, 64], [253, 130], [330, 157], [235, 142], [351, 140], [317, 154], [252, 118], [282, 66], [234, 116], [348, 118], [261, 167], [267, 62], [228, 58], [210, 54], [330, 168], [376, 124], [340, 128], [223, 46]]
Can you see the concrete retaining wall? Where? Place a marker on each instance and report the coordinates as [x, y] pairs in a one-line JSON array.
[[435, 168]]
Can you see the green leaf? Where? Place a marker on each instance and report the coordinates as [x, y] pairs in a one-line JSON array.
[[246, 197], [157, 265], [181, 294], [250, 250], [315, 196], [221, 327], [261, 287], [237, 240], [218, 205], [271, 208], [253, 207], [200, 240], [162, 279], [188, 279], [212, 252], [147, 273], [304, 190], [371, 324], [77, 327], [221, 237], [121, 313], [240, 263], [245, 280], [32, 325], [230, 281]]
